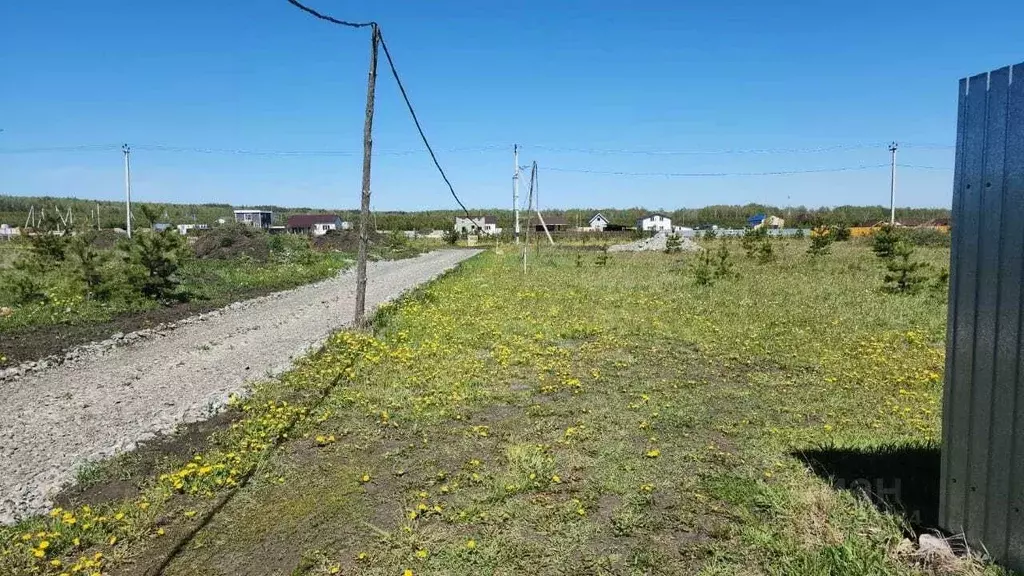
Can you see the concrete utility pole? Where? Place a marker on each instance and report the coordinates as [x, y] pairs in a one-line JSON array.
[[127, 188], [364, 207], [515, 188], [892, 184]]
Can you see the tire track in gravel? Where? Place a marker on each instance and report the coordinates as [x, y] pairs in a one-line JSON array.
[[54, 421]]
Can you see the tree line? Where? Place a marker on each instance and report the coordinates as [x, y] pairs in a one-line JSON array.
[[14, 210]]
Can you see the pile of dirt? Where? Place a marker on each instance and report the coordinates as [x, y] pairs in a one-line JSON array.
[[656, 243], [227, 242], [343, 241]]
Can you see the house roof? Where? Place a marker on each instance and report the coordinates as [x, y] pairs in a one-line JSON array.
[[555, 221], [596, 216], [309, 220], [490, 220], [756, 219], [646, 216]]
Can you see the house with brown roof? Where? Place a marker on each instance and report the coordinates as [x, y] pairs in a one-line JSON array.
[[316, 224], [555, 224]]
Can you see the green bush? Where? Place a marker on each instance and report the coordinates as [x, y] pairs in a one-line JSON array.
[[840, 232], [723, 262], [883, 242], [153, 260], [821, 241], [673, 244], [904, 276]]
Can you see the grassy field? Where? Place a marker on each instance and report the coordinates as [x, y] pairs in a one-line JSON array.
[[578, 419]]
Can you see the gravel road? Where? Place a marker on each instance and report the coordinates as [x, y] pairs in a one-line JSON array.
[[52, 422]]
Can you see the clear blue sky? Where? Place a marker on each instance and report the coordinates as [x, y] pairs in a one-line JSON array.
[[637, 76]]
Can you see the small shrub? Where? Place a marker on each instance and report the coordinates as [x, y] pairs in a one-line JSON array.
[[821, 241], [89, 268], [883, 242], [673, 244], [840, 232], [926, 237], [451, 237], [904, 276], [723, 262], [602, 256], [765, 252], [751, 240], [710, 234], [799, 234], [153, 261], [704, 271], [579, 259]]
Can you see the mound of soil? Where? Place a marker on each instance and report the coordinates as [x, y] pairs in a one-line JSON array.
[[227, 242], [342, 241]]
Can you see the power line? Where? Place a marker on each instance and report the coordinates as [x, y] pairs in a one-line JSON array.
[[330, 19], [412, 112], [718, 174], [736, 151], [234, 151]]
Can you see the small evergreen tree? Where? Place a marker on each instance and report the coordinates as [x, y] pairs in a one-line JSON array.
[[723, 263], [799, 234], [765, 251], [821, 241], [840, 232], [89, 267], [703, 272], [883, 242], [710, 234], [602, 256], [904, 276], [751, 240], [673, 244], [153, 260]]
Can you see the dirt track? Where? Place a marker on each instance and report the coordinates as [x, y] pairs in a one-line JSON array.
[[54, 421]]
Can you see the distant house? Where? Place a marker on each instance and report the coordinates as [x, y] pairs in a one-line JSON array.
[[486, 225], [598, 222], [555, 224], [255, 218], [315, 224], [654, 223], [184, 228], [7, 232], [161, 226], [758, 220]]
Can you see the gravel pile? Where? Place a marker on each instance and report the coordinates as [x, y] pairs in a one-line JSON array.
[[656, 243], [104, 398]]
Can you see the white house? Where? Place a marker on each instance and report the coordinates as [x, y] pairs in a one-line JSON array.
[[486, 225], [184, 228], [315, 224], [654, 223], [598, 222]]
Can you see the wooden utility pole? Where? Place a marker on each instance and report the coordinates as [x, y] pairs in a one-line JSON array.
[[364, 207]]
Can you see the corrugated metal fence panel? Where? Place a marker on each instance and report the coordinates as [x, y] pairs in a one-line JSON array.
[[982, 484]]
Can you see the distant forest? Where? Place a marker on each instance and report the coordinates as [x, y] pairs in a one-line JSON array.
[[14, 211]]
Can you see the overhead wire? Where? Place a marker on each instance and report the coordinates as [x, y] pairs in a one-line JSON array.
[[330, 19], [716, 174], [415, 119]]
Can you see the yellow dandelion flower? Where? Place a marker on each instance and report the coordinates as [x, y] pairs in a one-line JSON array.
[[471, 544], [653, 453]]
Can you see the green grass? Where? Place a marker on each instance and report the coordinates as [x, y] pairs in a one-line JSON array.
[[611, 419]]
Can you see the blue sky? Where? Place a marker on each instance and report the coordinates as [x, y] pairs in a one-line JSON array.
[[571, 81]]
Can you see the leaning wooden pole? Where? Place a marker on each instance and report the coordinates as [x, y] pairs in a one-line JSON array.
[[364, 207]]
